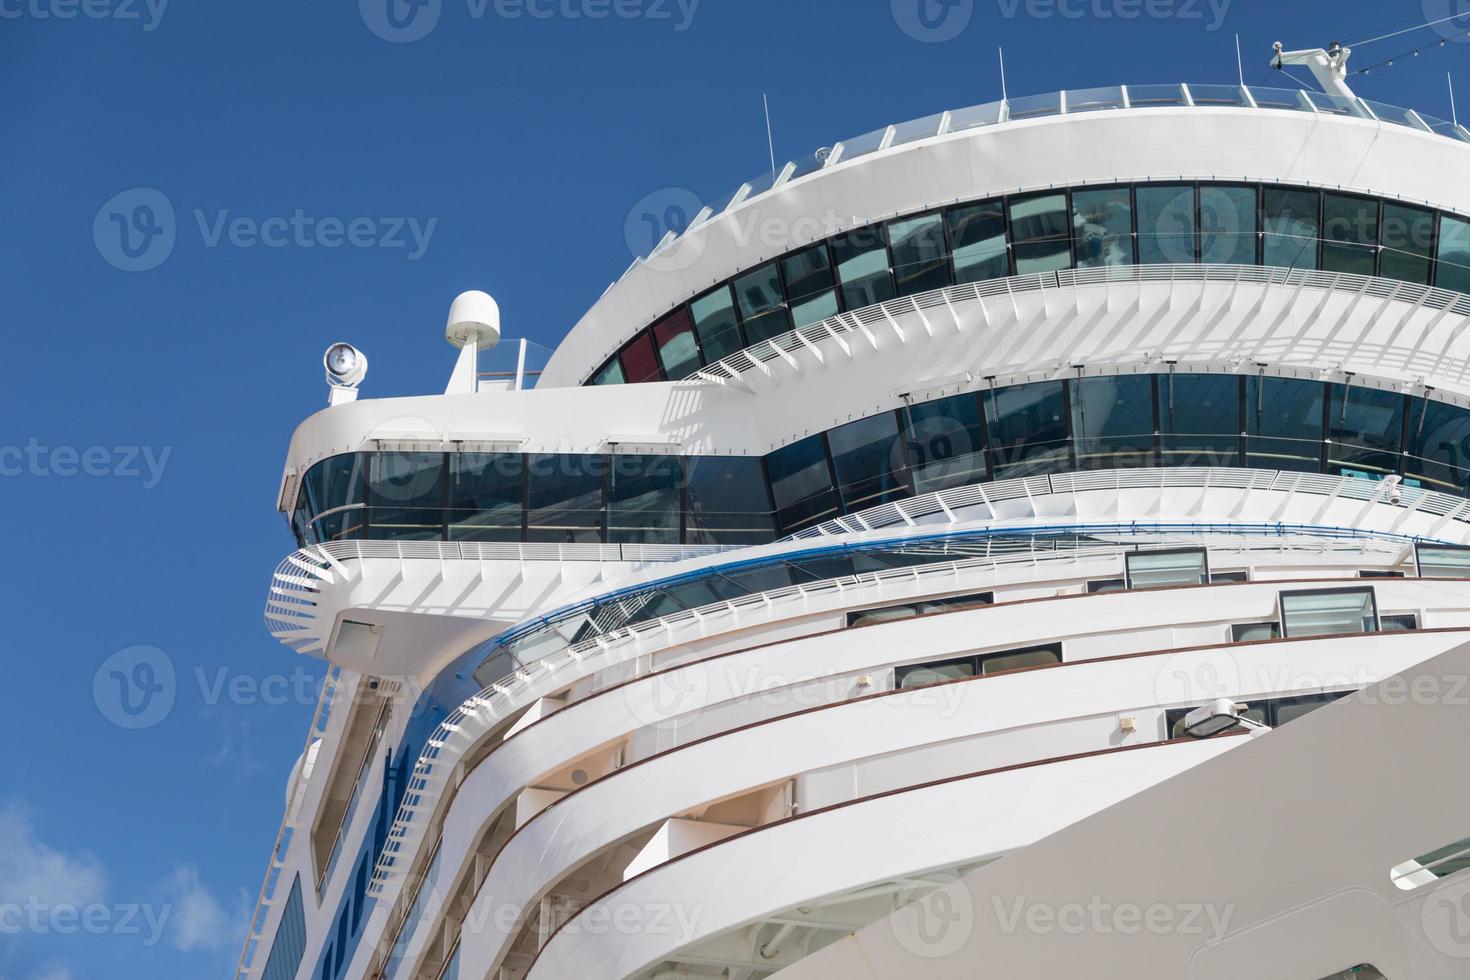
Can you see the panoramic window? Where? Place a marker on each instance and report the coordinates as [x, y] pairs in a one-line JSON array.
[[610, 373], [1199, 419], [1290, 221], [1284, 423], [1166, 226], [1103, 227], [1041, 234], [728, 501], [908, 610], [334, 483], [1439, 445], [486, 496], [564, 498], [406, 496], [917, 675], [862, 268], [810, 285], [1113, 419], [643, 500], [716, 325], [1327, 612], [762, 306], [1028, 428], [1367, 430], [1154, 569], [1452, 270], [678, 351], [1407, 238], [801, 484], [946, 443], [920, 258], [868, 457], [978, 236], [640, 363], [1227, 224], [1350, 234]]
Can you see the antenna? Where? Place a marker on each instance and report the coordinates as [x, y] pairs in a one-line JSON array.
[[1454, 116], [1239, 64], [1002, 52], [770, 136]]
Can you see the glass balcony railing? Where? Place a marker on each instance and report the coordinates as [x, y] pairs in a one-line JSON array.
[[1075, 102]]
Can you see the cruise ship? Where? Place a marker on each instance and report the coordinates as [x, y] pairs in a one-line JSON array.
[[1028, 541]]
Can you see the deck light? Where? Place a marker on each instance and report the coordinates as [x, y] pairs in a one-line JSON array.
[[346, 366], [1220, 715]]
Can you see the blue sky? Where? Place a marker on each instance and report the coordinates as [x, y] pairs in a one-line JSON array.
[[331, 178]]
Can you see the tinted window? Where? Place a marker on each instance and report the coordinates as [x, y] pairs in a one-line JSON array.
[[716, 325], [1165, 224], [485, 496], [1040, 233], [639, 363], [1103, 226], [1114, 421], [728, 502], [977, 235], [1407, 237], [610, 373], [946, 443], [565, 497], [406, 495], [1439, 445], [1028, 429], [1367, 428], [1452, 270], [1199, 416], [1227, 225], [1350, 233], [920, 260], [868, 458], [761, 305], [1284, 424], [862, 268], [1289, 219], [801, 484], [809, 282], [677, 350], [643, 500]]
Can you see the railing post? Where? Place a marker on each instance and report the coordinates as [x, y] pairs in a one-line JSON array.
[[521, 366]]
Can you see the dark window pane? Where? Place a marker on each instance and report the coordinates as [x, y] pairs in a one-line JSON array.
[[919, 260], [1028, 429], [406, 495], [1407, 237], [1283, 419], [1289, 219], [1041, 233], [946, 443], [610, 373], [1367, 428], [801, 484], [1227, 225], [762, 306], [1103, 223], [677, 349], [1439, 445], [728, 501], [810, 284], [1199, 415], [639, 363], [1452, 269], [1114, 421], [1000, 663], [716, 325], [485, 496], [977, 234], [643, 500], [868, 458], [1350, 234], [1165, 224], [918, 675], [564, 493], [335, 482], [862, 268]]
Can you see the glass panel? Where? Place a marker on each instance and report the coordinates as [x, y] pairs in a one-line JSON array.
[[1367, 429], [640, 365], [406, 496], [1020, 660], [1398, 623], [1093, 99], [862, 145], [1295, 708], [1443, 561], [946, 443], [1350, 233], [1113, 419], [809, 282], [917, 129], [919, 255], [1142, 96], [1028, 429], [1165, 224], [1227, 225], [862, 268], [1153, 569], [485, 502], [677, 349], [335, 482], [1335, 105], [973, 116], [1452, 270], [1200, 418], [1393, 114], [716, 324], [978, 236], [1248, 632], [1289, 219], [643, 500], [564, 496], [919, 675], [1328, 612], [1041, 233], [1106, 585], [1407, 237], [1103, 227], [728, 501], [610, 373], [1439, 445], [1031, 106], [869, 461], [1284, 424], [1279, 98], [801, 484], [1217, 95], [761, 305]]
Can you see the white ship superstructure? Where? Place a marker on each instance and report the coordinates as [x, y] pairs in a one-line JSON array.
[[883, 536]]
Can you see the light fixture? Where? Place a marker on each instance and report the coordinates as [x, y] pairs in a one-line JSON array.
[[346, 366], [1217, 717]]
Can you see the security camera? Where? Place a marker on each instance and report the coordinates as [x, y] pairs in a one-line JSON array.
[[346, 366]]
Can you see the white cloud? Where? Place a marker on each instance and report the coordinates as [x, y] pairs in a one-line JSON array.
[[32, 872], [197, 920]]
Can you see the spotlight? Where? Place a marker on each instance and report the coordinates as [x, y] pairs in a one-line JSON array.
[[1219, 716], [346, 366]]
